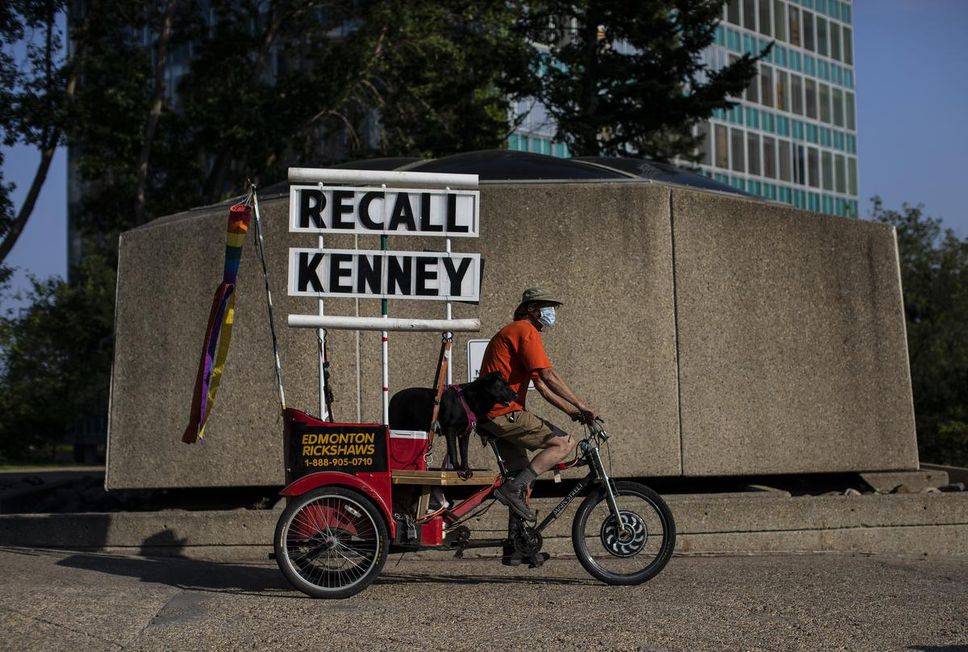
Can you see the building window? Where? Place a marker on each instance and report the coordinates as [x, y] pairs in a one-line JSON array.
[[813, 167], [753, 90], [827, 170], [779, 20], [737, 149], [825, 103], [822, 39], [705, 147], [794, 26], [848, 47], [732, 12], [753, 154], [852, 175], [782, 94], [749, 15], [849, 110], [769, 157], [808, 39], [796, 93], [841, 174], [799, 167], [835, 41], [722, 147], [838, 107], [765, 17], [785, 160], [766, 85], [810, 86]]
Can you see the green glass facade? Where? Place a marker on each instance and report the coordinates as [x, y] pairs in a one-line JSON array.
[[792, 137]]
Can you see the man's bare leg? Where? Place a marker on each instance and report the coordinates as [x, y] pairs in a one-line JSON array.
[[556, 450]]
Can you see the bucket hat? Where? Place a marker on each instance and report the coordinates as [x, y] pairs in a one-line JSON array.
[[532, 295]]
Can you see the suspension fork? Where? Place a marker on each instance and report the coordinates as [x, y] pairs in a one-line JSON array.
[[609, 491]]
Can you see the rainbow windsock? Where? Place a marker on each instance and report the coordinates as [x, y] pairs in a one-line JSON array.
[[218, 334]]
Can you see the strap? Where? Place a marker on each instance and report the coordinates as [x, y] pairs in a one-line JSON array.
[[440, 384]]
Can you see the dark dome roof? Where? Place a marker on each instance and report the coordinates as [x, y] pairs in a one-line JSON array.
[[506, 165], [657, 171]]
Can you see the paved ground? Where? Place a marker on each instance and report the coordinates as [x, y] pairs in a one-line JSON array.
[[72, 601]]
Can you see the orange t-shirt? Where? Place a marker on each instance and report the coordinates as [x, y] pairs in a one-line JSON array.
[[516, 352]]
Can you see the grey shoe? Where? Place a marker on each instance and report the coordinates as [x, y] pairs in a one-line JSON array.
[[511, 495]]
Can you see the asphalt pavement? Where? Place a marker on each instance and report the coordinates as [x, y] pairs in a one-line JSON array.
[[56, 600]]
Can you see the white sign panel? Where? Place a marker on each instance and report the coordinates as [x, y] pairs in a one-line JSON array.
[[475, 356], [384, 274], [410, 211]]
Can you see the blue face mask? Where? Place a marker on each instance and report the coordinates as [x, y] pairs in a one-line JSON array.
[[547, 316]]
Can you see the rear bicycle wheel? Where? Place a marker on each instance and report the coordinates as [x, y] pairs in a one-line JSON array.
[[632, 554], [331, 542]]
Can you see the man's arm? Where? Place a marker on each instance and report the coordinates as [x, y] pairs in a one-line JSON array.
[[556, 391]]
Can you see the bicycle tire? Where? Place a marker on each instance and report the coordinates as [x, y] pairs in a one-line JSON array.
[[580, 539], [325, 520]]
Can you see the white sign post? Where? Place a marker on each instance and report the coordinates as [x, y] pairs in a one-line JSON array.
[[391, 204]]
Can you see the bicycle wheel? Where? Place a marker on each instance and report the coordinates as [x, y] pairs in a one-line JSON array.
[[634, 555], [331, 542]]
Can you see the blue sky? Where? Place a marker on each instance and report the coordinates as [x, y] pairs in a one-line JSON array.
[[912, 98]]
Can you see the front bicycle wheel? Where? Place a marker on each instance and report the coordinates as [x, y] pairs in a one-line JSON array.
[[630, 554], [331, 542]]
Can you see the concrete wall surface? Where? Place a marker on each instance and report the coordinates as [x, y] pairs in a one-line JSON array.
[[775, 335], [792, 346]]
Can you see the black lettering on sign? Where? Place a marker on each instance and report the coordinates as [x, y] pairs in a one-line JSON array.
[[368, 275], [341, 208], [336, 273], [426, 271], [402, 213], [425, 223], [456, 276], [398, 274], [364, 211], [311, 204], [307, 272], [452, 216]]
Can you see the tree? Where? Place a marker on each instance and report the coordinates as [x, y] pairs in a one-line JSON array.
[[449, 74], [934, 275], [36, 90], [626, 78], [56, 360]]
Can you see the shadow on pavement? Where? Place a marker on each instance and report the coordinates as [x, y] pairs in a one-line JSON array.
[[532, 577], [188, 574]]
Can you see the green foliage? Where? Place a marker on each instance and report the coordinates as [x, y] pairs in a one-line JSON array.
[[934, 273], [626, 78], [447, 74], [55, 360]]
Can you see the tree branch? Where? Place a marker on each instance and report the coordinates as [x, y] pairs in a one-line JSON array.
[[154, 114]]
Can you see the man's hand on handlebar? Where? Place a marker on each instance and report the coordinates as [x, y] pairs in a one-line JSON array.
[[584, 414]]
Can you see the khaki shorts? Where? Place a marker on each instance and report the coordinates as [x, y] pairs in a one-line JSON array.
[[517, 431]]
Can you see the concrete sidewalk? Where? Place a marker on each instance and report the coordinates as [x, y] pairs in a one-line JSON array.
[[55, 600]]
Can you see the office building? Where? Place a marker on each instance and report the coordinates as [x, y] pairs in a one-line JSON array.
[[792, 136]]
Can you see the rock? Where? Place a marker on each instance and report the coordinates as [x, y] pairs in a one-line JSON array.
[[850, 491]]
